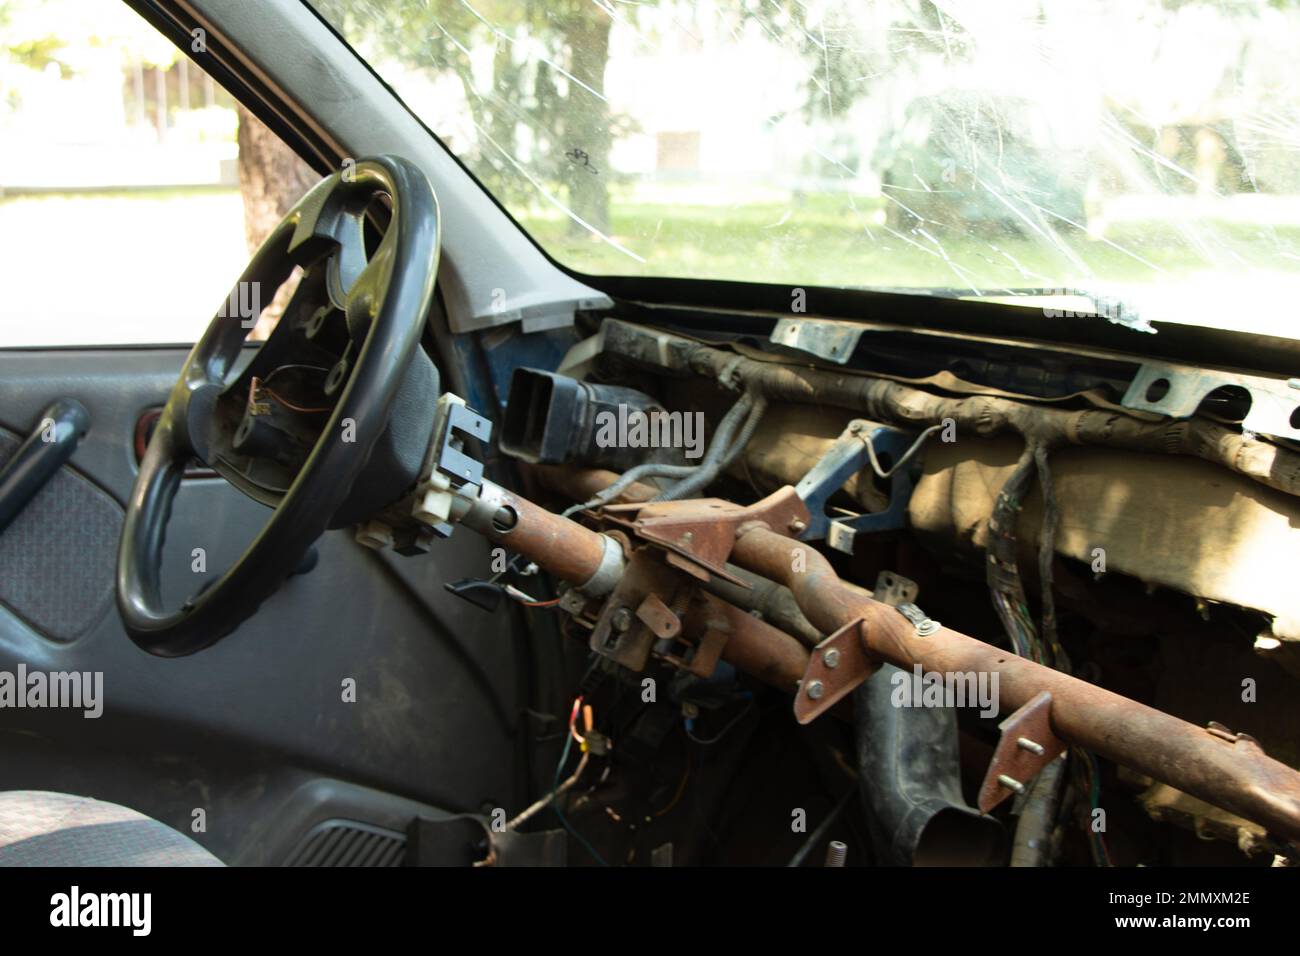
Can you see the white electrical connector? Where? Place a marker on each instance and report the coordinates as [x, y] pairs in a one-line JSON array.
[[433, 503], [374, 535]]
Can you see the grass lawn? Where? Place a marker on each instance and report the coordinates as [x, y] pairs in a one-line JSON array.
[[828, 240], [153, 266]]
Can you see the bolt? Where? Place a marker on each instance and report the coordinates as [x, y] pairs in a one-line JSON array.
[[926, 628], [831, 658], [856, 427], [815, 689], [1035, 748], [836, 851], [797, 526], [1011, 783], [621, 619]]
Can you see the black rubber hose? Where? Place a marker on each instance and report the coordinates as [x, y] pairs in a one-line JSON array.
[[911, 785]]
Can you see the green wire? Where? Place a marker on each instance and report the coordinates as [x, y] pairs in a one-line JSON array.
[[555, 803]]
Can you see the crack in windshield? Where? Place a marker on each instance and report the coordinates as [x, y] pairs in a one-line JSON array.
[[1139, 152]]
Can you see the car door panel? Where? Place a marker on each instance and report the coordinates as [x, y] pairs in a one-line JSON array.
[[241, 729]]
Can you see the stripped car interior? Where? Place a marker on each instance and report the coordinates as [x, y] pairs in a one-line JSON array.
[[636, 571]]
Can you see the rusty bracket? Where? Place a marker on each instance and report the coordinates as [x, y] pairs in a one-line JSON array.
[[840, 663], [636, 623], [659, 617], [684, 544], [1028, 745], [698, 534], [835, 668], [703, 656], [626, 630]]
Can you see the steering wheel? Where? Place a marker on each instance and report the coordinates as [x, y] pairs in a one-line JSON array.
[[329, 421]]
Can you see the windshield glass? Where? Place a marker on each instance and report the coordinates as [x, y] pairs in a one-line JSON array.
[[1143, 152]]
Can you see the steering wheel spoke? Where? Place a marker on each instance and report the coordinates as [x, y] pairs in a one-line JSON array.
[[282, 431]]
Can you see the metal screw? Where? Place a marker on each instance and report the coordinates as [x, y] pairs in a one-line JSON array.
[[797, 525], [815, 689], [831, 658], [1011, 783], [927, 627], [836, 851], [621, 619], [1035, 748]]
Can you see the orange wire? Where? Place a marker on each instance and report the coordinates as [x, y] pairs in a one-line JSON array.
[[573, 721]]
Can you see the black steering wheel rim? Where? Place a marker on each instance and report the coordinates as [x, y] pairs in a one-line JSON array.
[[391, 292]]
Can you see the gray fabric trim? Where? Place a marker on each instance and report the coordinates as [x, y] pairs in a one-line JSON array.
[[60, 554], [39, 828]]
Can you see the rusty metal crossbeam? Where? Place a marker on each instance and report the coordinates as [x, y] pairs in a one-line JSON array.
[[1229, 771]]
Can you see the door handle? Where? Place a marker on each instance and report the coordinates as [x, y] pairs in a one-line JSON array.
[[47, 449], [144, 427]]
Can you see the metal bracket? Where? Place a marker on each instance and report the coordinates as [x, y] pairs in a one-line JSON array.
[[826, 339], [622, 632], [835, 668], [698, 534], [894, 589], [458, 423], [842, 461], [1178, 390], [920, 621], [1028, 745], [659, 617]]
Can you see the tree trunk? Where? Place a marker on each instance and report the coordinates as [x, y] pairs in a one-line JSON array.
[[271, 179]]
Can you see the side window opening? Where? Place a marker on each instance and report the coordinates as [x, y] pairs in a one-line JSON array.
[[133, 188]]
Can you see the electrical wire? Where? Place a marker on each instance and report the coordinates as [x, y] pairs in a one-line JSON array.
[[555, 803], [681, 789], [527, 814], [712, 466], [1011, 605], [906, 456], [720, 447], [1091, 772], [709, 741], [527, 600]]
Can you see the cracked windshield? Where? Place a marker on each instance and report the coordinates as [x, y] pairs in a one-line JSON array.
[[1008, 150]]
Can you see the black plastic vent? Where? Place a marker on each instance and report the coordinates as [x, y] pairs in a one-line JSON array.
[[348, 843]]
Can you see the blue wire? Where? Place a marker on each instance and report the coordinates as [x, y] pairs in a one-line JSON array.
[[555, 803]]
